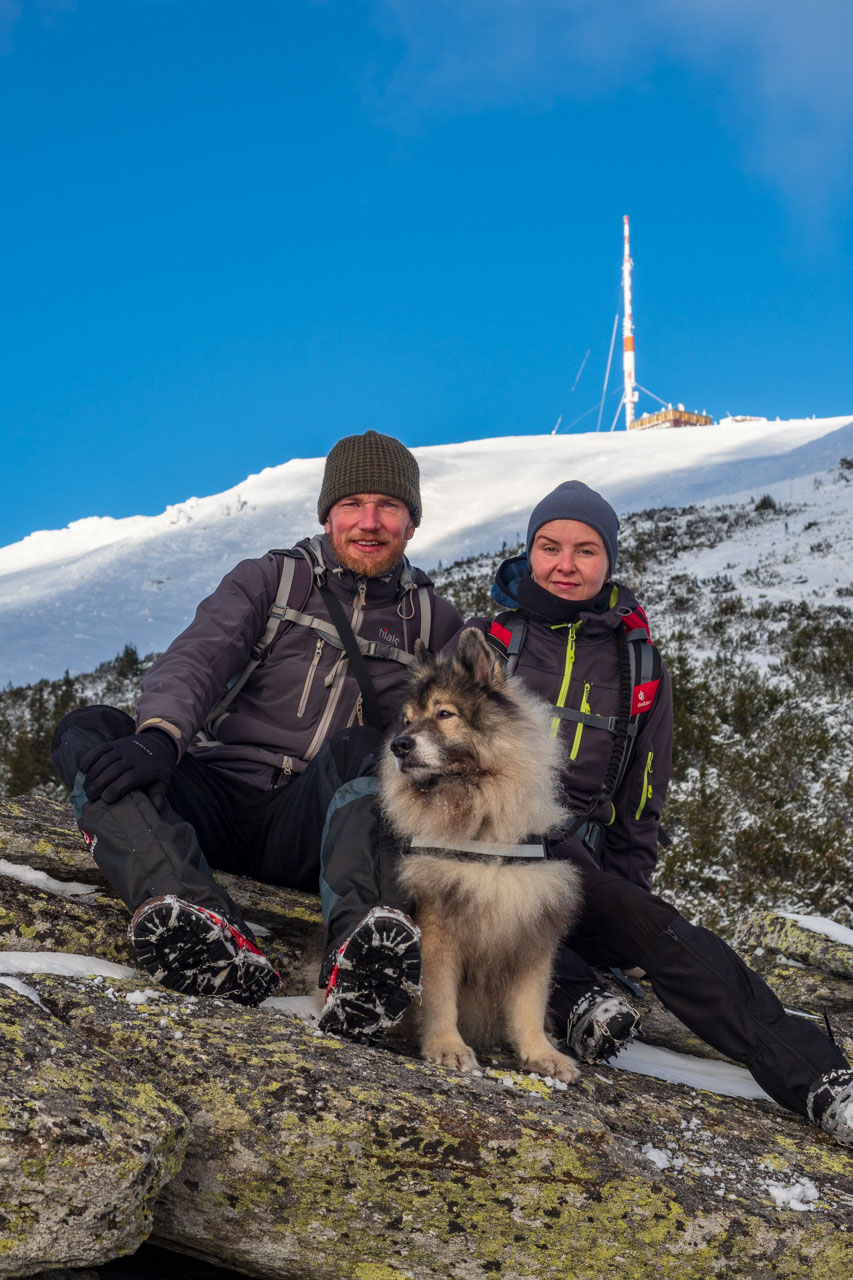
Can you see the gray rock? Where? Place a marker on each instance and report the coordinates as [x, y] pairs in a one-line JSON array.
[[773, 936], [310, 1157], [85, 1145]]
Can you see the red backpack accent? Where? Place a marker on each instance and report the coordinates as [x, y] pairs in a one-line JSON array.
[[644, 696], [636, 620]]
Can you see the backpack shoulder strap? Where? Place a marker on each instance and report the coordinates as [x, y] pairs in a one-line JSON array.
[[506, 636], [425, 603], [646, 668], [640, 668], [275, 617], [646, 663]]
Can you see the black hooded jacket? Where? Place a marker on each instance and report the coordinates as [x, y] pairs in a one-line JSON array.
[[574, 663]]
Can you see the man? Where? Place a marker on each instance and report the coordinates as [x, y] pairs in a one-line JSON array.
[[253, 749]]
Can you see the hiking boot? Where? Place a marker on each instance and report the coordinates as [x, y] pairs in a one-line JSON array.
[[600, 1025], [376, 975], [830, 1104], [198, 952]]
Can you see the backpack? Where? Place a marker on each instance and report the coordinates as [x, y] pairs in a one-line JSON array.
[[640, 670], [281, 610]]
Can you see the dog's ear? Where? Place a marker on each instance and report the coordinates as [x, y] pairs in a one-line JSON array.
[[479, 661], [423, 657]]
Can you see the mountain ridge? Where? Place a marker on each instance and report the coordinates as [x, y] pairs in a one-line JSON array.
[[70, 599]]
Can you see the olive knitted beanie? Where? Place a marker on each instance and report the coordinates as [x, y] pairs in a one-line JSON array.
[[371, 463]]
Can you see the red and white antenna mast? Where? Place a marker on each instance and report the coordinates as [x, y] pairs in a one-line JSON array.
[[630, 396]]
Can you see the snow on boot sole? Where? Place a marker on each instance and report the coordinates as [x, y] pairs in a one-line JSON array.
[[376, 976], [600, 1025], [830, 1104], [197, 952]]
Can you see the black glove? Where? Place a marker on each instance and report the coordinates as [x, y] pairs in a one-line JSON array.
[[128, 764]]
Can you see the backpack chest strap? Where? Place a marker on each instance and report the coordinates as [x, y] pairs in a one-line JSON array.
[[608, 723], [369, 648]]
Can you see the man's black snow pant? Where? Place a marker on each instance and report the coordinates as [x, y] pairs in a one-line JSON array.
[[320, 830], [698, 978]]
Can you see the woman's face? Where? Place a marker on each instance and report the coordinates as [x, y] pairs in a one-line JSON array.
[[568, 558]]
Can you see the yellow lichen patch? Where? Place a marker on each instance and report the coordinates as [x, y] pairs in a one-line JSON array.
[[377, 1271], [778, 1163], [305, 913], [521, 1081]]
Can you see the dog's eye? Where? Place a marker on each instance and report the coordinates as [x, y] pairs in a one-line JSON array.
[[444, 714], [406, 722]]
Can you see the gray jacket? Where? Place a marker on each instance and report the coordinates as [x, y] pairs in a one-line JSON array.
[[303, 690]]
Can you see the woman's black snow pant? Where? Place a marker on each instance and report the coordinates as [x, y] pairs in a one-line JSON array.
[[698, 978], [319, 831]]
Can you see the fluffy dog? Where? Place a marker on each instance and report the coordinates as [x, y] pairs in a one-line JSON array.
[[474, 762]]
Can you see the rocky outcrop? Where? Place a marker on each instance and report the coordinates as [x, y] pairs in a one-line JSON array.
[[85, 1145], [254, 1142]]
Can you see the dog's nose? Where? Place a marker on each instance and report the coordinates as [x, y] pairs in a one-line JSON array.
[[402, 745]]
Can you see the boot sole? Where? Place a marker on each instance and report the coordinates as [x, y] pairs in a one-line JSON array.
[[378, 975], [187, 950]]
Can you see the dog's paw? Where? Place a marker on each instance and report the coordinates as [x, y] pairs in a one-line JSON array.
[[451, 1053], [559, 1066]]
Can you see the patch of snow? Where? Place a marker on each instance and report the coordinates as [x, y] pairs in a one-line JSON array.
[[144, 997], [305, 1007], [63, 963], [684, 1068], [659, 1158], [23, 990], [259, 930], [41, 880], [802, 1194], [819, 924]]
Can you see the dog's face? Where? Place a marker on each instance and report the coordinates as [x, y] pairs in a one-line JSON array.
[[446, 717]]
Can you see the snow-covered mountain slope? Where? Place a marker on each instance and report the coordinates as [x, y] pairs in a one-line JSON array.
[[71, 598]]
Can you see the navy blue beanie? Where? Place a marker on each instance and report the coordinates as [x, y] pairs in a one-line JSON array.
[[574, 500]]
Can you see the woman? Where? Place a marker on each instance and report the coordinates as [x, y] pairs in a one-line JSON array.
[[579, 639]]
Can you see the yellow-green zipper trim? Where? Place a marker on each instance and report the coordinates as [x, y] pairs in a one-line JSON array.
[[567, 673], [573, 754], [646, 793]]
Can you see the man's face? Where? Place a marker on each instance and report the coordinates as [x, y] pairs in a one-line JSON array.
[[369, 532], [568, 558]]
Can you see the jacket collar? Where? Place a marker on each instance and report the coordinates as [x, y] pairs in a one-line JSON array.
[[505, 593], [347, 584]]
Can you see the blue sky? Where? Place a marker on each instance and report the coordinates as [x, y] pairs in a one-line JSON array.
[[235, 230]]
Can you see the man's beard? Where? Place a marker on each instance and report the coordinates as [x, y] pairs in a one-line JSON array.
[[367, 566]]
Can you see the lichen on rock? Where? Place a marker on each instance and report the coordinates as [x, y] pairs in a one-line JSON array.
[[312, 1158], [85, 1146]]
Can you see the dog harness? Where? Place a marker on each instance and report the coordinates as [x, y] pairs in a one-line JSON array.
[[533, 848]]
